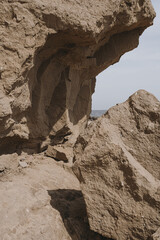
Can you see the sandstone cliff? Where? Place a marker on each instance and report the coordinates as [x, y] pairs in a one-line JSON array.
[[51, 52]]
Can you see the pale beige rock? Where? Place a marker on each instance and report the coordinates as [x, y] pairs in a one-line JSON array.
[[118, 165], [50, 53], [42, 201], [60, 153]]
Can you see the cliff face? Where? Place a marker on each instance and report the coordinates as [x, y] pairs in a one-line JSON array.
[[51, 52]]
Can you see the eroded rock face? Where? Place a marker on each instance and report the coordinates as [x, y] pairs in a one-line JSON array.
[[117, 163], [51, 52]]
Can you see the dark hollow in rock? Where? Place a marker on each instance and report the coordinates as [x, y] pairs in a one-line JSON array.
[[71, 205]]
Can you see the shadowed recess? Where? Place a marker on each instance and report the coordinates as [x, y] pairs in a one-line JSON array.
[[71, 205]]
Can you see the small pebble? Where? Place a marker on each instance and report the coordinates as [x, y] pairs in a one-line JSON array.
[[23, 164]]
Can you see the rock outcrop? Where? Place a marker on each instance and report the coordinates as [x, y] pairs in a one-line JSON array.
[[41, 202], [51, 52], [117, 164]]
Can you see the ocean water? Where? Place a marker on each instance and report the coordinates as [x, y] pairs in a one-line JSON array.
[[97, 113]]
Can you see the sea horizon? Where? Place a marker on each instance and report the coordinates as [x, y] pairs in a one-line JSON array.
[[97, 113]]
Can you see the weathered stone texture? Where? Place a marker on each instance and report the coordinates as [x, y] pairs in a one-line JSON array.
[[51, 52], [117, 163], [156, 235], [42, 201]]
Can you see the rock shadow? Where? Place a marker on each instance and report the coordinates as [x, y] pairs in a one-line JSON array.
[[53, 96], [51, 91], [71, 205]]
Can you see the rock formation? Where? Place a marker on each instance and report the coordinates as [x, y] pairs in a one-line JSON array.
[[42, 201], [117, 164], [51, 52]]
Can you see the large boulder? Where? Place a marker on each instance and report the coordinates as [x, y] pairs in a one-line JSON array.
[[118, 166], [42, 201], [50, 53]]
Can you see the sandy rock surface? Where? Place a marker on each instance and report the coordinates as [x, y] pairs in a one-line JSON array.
[[50, 54], [42, 201], [118, 166]]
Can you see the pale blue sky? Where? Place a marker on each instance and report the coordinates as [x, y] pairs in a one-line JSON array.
[[138, 69]]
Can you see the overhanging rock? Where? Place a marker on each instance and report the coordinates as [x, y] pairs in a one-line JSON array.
[[51, 52]]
